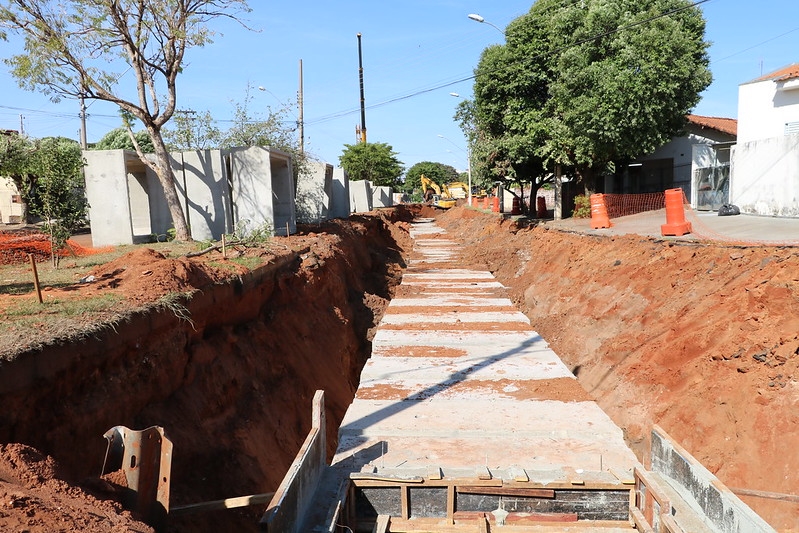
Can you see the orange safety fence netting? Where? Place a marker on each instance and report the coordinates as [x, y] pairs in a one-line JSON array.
[[15, 247]]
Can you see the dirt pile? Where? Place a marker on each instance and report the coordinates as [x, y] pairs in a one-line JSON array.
[[698, 338]]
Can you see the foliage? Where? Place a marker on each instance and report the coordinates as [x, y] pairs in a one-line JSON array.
[[119, 139], [582, 206], [47, 174], [247, 234], [375, 162], [588, 83], [251, 128], [438, 172], [56, 165], [81, 48], [190, 130]]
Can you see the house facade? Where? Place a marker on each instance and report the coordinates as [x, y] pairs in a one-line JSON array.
[[697, 162], [765, 162]]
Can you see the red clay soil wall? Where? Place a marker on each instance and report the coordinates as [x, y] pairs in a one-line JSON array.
[[702, 339], [232, 387]]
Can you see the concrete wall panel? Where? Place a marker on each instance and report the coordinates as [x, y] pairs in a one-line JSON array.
[[202, 180], [314, 189], [360, 196], [108, 196], [382, 197], [340, 194]]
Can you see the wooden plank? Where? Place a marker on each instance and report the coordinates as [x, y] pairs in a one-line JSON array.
[[450, 504], [405, 504], [482, 472], [525, 518], [434, 472], [229, 503], [381, 526], [482, 524], [518, 474], [359, 476], [508, 491]]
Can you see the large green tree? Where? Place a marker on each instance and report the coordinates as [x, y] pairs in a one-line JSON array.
[[586, 84], [82, 48], [375, 162], [438, 172]]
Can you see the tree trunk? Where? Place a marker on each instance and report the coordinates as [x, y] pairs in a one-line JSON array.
[[163, 170], [587, 179]]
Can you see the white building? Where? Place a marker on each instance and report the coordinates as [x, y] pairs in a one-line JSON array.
[[765, 167]]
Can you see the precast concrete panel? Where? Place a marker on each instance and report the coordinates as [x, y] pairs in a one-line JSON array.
[[285, 214], [382, 197], [203, 185], [340, 194], [108, 197], [360, 196], [314, 189], [251, 187]]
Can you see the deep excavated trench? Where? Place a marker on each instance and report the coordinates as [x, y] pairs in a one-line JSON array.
[[645, 324]]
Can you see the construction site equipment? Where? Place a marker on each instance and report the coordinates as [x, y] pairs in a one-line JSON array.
[[433, 194], [599, 212], [675, 225], [146, 459], [457, 189]]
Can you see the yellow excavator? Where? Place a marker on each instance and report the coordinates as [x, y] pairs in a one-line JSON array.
[[433, 194]]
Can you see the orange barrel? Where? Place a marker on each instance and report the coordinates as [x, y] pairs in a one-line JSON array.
[[599, 212], [541, 207], [485, 202], [474, 201], [495, 207], [515, 210], [675, 225]]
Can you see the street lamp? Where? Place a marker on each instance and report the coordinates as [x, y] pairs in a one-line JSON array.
[[478, 18], [468, 165]]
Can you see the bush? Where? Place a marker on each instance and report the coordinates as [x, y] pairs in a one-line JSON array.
[[582, 207]]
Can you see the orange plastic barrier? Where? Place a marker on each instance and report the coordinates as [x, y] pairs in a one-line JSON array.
[[599, 212], [485, 202], [675, 225], [495, 207], [515, 209]]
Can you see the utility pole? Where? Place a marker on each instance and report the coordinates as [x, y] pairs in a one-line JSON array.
[[21, 125], [83, 144], [363, 99], [300, 123]]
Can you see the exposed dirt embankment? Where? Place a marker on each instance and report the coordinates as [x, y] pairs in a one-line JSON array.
[[701, 339], [230, 376]]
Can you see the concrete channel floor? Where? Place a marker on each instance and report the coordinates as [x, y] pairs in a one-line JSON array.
[[458, 382]]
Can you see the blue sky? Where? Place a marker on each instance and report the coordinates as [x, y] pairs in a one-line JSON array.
[[409, 48]]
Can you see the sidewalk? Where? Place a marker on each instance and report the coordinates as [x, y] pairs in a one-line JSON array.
[[740, 229]]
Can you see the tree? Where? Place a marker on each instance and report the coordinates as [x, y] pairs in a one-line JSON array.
[[586, 84], [119, 139], [438, 172], [254, 129], [47, 174], [69, 45], [375, 162], [191, 130]]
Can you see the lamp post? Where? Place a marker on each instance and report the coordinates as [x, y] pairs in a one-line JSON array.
[[468, 164], [481, 20]]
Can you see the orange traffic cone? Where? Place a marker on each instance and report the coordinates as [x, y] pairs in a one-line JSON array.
[[599, 212], [495, 207], [675, 225]]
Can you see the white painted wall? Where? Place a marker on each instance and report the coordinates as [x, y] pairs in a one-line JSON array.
[[763, 177], [10, 211], [764, 107]]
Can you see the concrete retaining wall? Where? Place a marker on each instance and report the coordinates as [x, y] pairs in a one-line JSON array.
[[686, 475], [360, 196], [314, 189]]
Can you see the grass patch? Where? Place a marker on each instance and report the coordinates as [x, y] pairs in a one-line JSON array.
[[249, 262]]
